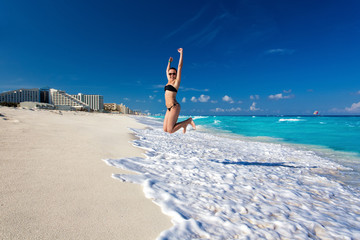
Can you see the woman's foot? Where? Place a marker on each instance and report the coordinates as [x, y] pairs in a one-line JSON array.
[[192, 123], [184, 129]]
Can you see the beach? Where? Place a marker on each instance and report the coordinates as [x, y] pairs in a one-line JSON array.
[[54, 183], [79, 175]]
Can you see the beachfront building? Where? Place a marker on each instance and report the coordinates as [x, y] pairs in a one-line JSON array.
[[124, 109], [95, 102], [20, 95], [121, 108], [61, 98], [112, 107], [88, 102], [53, 96]]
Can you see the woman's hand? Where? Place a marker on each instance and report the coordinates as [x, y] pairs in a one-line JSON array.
[[180, 50], [170, 59]]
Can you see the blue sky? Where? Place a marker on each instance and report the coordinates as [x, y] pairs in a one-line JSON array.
[[240, 57]]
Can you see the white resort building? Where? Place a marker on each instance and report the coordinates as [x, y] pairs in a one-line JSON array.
[[58, 98], [21, 95], [93, 102]]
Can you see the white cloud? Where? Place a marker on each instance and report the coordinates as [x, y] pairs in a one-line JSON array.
[[151, 97], [194, 89], [287, 91], [276, 96], [183, 100], [355, 108], [204, 98], [126, 99], [226, 110], [280, 51], [159, 86], [213, 101], [234, 109], [226, 98], [159, 100], [218, 110], [280, 96], [253, 107], [253, 97], [358, 92]]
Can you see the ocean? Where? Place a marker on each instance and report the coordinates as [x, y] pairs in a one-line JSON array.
[[335, 137], [252, 177], [340, 133]]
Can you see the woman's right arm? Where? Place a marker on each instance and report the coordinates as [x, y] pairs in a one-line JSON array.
[[168, 67]]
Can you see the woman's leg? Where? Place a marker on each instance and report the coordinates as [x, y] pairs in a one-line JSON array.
[[173, 116], [166, 121]]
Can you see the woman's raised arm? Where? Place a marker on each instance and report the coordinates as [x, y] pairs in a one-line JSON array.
[[168, 66], [178, 77], [180, 50]]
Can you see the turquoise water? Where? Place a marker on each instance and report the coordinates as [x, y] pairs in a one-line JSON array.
[[339, 133]]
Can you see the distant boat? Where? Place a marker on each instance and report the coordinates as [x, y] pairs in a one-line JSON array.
[[316, 112]]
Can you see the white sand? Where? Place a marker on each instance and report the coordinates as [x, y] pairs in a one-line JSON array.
[[54, 185]]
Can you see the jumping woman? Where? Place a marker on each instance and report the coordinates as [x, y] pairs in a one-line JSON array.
[[173, 107]]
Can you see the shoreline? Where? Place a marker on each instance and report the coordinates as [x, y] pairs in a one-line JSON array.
[[348, 159], [54, 183]]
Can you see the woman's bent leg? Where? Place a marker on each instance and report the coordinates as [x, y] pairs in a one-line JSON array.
[[173, 117]]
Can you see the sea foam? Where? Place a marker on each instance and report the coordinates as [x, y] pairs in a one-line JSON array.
[[290, 120], [220, 188]]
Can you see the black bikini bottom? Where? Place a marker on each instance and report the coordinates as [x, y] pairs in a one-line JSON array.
[[172, 106]]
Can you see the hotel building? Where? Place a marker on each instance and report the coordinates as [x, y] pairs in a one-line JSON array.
[[55, 97], [121, 108], [95, 102], [111, 107], [21, 95]]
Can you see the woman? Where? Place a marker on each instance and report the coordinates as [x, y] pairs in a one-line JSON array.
[[173, 107]]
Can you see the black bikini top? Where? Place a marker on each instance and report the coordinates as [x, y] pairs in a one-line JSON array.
[[170, 88]]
